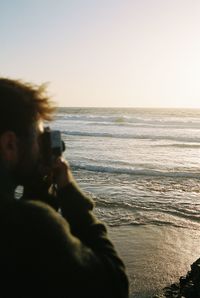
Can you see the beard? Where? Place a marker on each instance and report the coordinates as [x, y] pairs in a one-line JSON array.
[[26, 171], [24, 175], [29, 162]]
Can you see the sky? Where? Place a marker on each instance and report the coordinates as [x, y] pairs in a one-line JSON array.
[[105, 53]]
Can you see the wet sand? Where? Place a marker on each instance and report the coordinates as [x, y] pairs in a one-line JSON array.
[[155, 256]]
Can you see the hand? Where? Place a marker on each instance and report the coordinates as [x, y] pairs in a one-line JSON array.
[[43, 178], [62, 175], [39, 183]]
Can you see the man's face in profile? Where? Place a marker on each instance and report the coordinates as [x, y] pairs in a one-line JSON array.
[[29, 155]]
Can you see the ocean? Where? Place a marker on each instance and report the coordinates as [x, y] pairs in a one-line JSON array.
[[142, 168]]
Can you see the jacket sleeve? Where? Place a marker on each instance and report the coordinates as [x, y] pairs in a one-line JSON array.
[[110, 274]]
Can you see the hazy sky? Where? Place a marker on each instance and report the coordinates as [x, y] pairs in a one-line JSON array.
[[105, 52]]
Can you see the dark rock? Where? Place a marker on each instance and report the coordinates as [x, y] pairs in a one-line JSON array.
[[188, 286], [183, 281]]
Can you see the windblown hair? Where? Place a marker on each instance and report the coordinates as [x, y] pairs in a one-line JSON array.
[[21, 105]]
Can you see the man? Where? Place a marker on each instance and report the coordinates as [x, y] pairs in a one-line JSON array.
[[51, 243]]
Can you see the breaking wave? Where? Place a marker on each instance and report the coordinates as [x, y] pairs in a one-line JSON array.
[[136, 172], [132, 136]]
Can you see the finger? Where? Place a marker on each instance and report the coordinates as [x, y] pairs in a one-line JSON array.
[[60, 163]]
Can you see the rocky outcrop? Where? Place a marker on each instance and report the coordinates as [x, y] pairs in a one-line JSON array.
[[187, 287]]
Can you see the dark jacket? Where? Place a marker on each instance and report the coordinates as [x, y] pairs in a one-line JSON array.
[[46, 254]]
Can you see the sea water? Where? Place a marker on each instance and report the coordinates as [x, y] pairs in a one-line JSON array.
[[142, 168]]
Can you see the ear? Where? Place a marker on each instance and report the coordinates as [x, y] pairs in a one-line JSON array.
[[9, 146]]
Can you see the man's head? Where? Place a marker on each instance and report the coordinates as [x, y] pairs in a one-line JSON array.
[[23, 107]]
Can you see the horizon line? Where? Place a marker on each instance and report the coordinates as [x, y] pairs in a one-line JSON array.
[[124, 107]]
